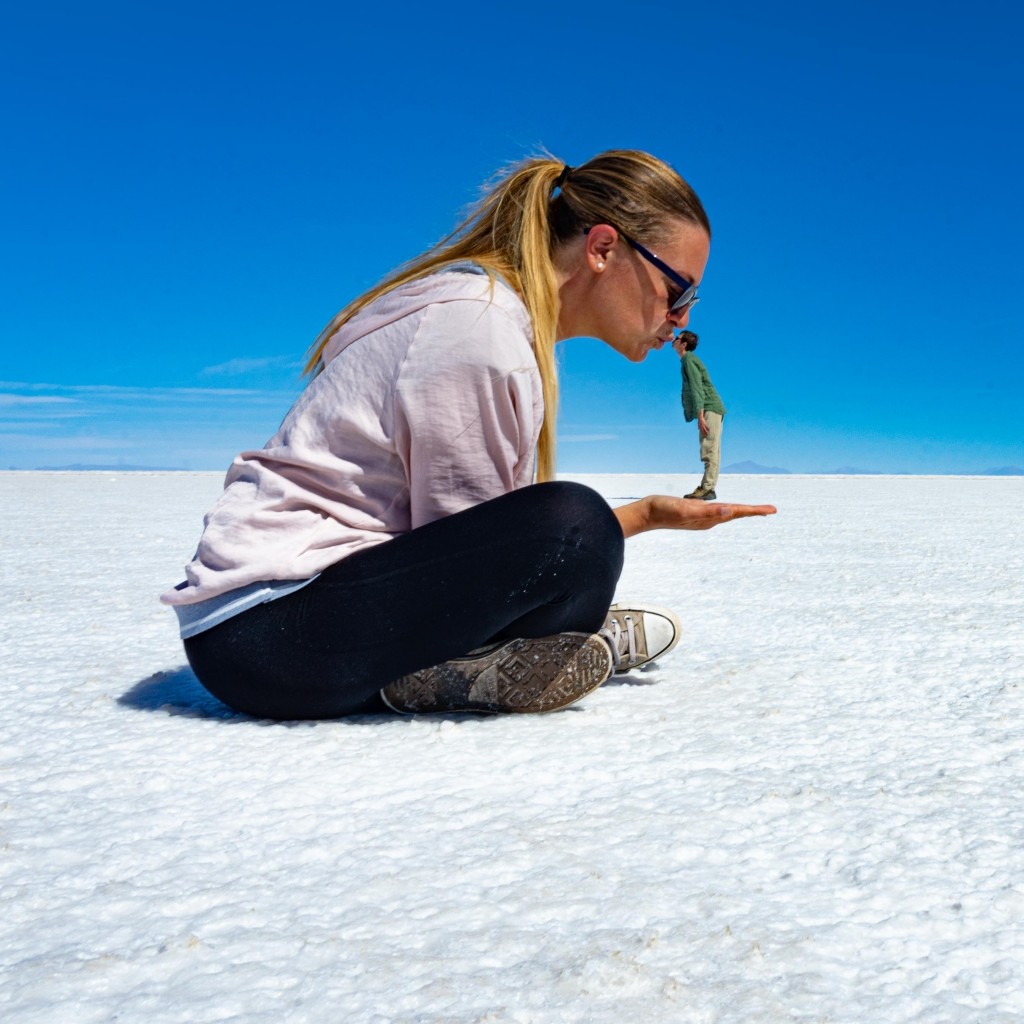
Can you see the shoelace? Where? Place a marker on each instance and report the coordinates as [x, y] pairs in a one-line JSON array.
[[622, 641]]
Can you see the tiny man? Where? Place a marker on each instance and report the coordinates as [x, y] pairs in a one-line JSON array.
[[701, 403]]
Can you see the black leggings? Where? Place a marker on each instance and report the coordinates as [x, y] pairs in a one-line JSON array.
[[540, 560]]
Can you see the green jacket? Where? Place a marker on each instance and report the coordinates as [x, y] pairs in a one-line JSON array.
[[699, 394]]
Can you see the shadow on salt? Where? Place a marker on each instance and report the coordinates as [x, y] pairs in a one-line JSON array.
[[176, 692]]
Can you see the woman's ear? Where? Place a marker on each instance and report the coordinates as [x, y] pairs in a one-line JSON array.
[[601, 240]]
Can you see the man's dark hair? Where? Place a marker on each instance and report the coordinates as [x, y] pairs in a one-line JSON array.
[[689, 340]]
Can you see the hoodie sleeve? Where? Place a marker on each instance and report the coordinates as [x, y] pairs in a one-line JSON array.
[[468, 409]]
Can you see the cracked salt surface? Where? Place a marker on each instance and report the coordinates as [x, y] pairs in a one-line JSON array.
[[811, 811]]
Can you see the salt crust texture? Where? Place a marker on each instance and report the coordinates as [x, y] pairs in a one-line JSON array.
[[812, 811]]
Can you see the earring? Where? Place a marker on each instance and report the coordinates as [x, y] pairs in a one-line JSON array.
[[600, 266]]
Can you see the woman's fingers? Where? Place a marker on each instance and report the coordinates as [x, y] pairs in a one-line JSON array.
[[731, 511]]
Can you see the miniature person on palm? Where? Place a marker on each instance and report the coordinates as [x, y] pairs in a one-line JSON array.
[[702, 403]]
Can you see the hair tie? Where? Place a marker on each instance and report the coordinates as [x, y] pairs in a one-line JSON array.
[[564, 176]]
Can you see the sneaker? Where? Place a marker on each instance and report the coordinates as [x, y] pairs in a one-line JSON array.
[[702, 494], [513, 677], [640, 633]]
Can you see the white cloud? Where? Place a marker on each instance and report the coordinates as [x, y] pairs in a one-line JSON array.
[[75, 442], [31, 401], [242, 367], [191, 426]]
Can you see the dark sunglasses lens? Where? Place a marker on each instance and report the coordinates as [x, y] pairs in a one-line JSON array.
[[688, 298]]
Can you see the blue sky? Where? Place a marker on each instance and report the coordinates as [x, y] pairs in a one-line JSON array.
[[191, 191]]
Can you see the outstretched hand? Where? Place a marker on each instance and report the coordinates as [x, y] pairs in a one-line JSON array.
[[664, 512]]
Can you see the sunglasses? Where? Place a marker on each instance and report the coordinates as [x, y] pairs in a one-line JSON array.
[[688, 291]]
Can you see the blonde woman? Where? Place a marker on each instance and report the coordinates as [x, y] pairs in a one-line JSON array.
[[400, 542]]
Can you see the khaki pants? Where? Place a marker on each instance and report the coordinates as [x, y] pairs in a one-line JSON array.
[[711, 450]]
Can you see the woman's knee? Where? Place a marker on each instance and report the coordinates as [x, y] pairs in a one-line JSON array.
[[591, 537], [577, 503]]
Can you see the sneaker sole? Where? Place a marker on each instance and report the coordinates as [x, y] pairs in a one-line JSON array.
[[517, 677]]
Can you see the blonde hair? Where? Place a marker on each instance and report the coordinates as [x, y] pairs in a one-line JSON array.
[[532, 209]]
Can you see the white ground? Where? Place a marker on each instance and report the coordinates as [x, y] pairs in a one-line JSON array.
[[812, 811]]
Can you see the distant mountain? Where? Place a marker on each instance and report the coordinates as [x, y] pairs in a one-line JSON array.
[[1004, 471], [752, 467], [849, 471]]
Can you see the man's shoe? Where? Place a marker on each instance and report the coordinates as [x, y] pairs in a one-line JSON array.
[[697, 492], [513, 677], [640, 633], [709, 496], [702, 494]]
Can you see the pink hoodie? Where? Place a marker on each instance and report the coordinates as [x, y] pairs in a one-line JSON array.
[[429, 402]]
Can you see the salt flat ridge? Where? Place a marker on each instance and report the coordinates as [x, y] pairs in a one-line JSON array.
[[811, 811]]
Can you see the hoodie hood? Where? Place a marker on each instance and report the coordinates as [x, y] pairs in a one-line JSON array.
[[455, 283]]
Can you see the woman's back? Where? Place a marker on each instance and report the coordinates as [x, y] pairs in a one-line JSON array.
[[429, 402]]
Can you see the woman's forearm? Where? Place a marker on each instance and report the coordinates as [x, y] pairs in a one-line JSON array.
[[635, 517]]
